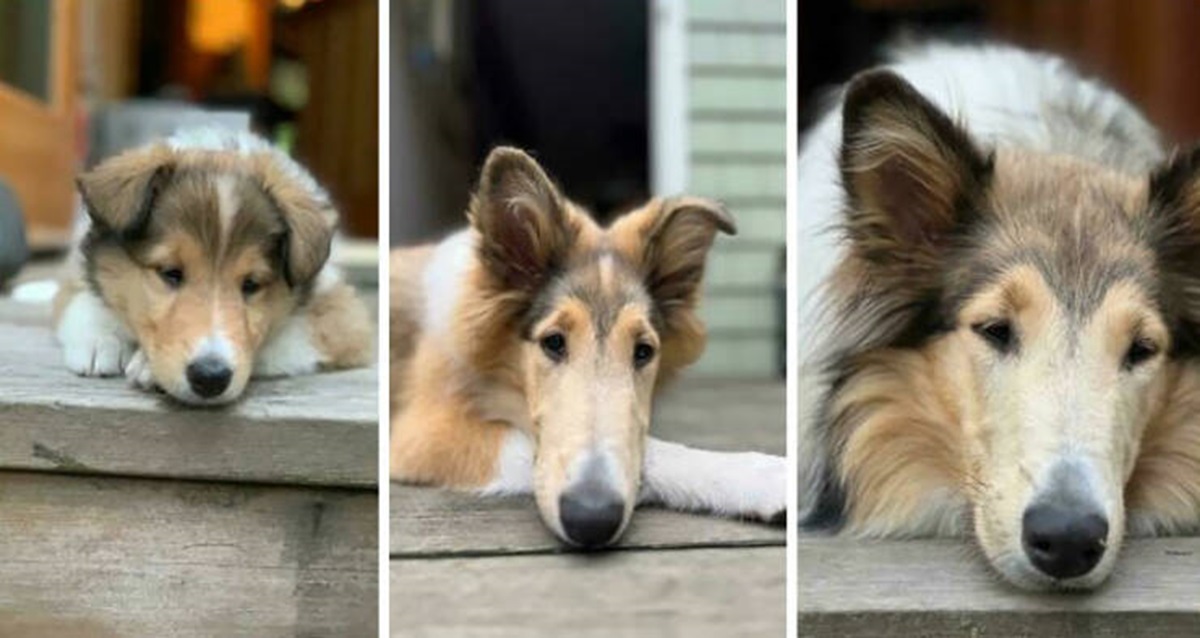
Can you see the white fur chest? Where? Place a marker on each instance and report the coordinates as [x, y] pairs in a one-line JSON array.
[[443, 282]]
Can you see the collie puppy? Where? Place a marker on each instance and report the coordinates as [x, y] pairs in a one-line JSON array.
[[203, 263], [1006, 344], [527, 351]]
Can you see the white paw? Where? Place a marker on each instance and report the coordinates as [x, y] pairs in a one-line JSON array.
[[739, 484], [137, 371], [100, 356], [94, 343], [764, 478]]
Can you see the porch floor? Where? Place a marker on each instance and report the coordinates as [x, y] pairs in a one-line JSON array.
[[466, 565]]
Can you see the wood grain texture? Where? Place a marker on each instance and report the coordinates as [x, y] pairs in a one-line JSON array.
[[701, 592], [944, 588], [432, 522], [313, 430], [720, 415], [103, 557], [465, 565]]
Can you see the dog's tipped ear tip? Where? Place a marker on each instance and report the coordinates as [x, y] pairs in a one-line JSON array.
[[873, 83], [506, 152], [504, 158], [711, 210], [725, 222], [721, 217], [871, 88]]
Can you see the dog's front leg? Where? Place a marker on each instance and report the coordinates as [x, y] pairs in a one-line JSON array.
[[95, 343], [739, 484], [331, 332]]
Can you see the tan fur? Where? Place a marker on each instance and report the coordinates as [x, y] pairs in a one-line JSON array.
[[342, 329], [181, 197], [451, 412], [920, 446], [439, 436], [1014, 340], [905, 444], [407, 303], [1163, 493]]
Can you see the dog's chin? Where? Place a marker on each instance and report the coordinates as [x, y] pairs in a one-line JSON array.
[[1015, 569], [183, 394]]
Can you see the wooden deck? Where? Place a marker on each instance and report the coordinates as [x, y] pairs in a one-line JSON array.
[[943, 588], [461, 565], [123, 514]]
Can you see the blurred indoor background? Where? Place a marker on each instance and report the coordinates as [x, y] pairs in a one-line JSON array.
[[81, 79], [1145, 49], [620, 100]]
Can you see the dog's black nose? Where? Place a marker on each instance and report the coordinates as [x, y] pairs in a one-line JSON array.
[[1063, 542], [591, 513], [209, 376]]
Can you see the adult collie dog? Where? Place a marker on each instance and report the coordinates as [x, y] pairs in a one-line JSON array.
[[1006, 344], [528, 349], [203, 263]]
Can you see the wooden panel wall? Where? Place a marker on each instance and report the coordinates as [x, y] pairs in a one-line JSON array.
[[37, 157], [1147, 49], [338, 132]]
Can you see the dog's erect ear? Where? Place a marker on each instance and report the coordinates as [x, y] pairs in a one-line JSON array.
[[669, 242], [309, 217], [911, 175], [522, 221], [119, 194], [1174, 215], [1175, 193]]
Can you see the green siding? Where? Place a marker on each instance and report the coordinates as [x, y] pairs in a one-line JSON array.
[[737, 98]]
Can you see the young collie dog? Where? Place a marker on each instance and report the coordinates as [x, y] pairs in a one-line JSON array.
[[203, 263], [1007, 341], [527, 351]]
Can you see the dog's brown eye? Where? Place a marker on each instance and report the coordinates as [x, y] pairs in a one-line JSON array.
[[555, 346], [173, 277], [998, 334], [1140, 351], [250, 286], [642, 354]]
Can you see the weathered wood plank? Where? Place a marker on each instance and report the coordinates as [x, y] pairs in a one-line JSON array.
[[433, 522], [99, 557], [943, 588], [700, 592], [315, 430], [722, 415]]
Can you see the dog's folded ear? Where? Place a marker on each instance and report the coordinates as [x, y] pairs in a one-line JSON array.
[[670, 243], [309, 217], [523, 224], [119, 194], [911, 175]]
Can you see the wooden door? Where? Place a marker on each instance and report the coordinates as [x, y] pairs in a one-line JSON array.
[[38, 68]]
